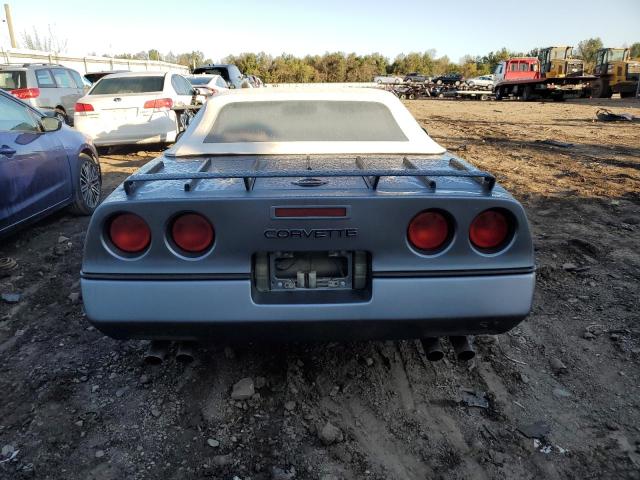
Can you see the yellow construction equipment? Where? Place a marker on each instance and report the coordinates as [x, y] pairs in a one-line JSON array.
[[557, 62], [616, 72]]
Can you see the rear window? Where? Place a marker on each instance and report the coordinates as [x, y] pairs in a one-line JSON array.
[[121, 85], [10, 80], [304, 121], [199, 80]]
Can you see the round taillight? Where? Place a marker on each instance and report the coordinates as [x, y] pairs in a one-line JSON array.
[[490, 230], [129, 232], [429, 230], [192, 233]]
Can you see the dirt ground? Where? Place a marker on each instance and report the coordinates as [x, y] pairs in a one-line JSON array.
[[77, 405]]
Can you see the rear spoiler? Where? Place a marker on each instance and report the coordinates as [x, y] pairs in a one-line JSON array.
[[371, 176]]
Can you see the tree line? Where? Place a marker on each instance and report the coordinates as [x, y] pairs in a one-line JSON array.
[[337, 66]]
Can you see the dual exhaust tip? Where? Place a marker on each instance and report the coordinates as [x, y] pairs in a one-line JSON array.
[[159, 350], [461, 345]]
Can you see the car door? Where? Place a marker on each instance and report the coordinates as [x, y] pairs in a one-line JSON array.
[[34, 170], [183, 89], [68, 91]]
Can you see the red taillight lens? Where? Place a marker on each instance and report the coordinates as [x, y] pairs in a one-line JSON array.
[[129, 233], [192, 233], [429, 230], [490, 230], [25, 93], [159, 103], [83, 107]]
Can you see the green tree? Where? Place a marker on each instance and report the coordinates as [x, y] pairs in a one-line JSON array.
[[635, 50], [587, 50]]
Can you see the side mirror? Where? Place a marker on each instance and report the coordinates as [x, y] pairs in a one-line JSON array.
[[196, 91], [51, 124]]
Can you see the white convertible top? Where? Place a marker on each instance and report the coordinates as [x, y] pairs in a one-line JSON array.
[[193, 140]]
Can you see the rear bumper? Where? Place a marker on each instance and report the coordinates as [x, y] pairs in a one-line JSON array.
[[159, 128], [225, 309]]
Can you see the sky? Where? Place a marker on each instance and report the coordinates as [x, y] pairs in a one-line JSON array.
[[219, 28]]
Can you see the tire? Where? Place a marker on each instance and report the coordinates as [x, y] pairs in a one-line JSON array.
[[457, 82], [600, 89], [499, 93], [527, 93], [484, 97], [61, 115], [438, 82], [627, 94], [403, 96], [471, 84], [88, 189], [411, 96]]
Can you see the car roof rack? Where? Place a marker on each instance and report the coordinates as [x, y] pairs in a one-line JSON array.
[[371, 176]]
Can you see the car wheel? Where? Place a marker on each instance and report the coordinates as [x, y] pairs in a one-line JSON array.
[[412, 96], [439, 82], [403, 96], [88, 187], [471, 84], [61, 115], [499, 93]]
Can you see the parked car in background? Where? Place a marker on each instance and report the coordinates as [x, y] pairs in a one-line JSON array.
[[416, 78], [47, 87], [483, 81], [207, 85], [93, 77], [44, 166], [134, 107], [448, 79], [388, 79], [232, 74], [256, 82]]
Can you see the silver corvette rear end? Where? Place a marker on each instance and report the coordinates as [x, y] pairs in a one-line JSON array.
[[311, 215], [246, 247]]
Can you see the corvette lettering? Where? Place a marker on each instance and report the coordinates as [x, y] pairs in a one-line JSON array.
[[312, 233]]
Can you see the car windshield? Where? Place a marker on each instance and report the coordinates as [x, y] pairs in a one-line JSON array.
[[199, 80], [10, 80], [304, 121], [121, 85]]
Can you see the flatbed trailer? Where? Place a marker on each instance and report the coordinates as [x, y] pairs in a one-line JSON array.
[[553, 88]]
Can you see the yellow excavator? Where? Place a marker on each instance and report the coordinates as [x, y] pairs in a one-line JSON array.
[[557, 62], [616, 72]]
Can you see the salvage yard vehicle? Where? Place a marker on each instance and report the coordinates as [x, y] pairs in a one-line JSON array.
[[231, 74], [384, 79], [557, 77], [308, 215], [416, 78], [45, 86], [483, 81], [448, 79], [44, 166], [135, 108], [615, 72], [207, 85]]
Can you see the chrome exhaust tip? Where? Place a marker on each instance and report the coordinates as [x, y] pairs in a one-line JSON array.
[[432, 349], [463, 348], [185, 352], [157, 352]]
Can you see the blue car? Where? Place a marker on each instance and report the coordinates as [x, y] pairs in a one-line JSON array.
[[44, 166]]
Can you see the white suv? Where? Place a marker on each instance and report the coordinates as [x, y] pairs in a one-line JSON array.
[[45, 86]]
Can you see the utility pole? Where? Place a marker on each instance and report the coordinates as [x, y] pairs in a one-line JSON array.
[[7, 12]]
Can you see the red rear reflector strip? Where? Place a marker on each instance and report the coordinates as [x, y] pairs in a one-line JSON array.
[[298, 212]]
